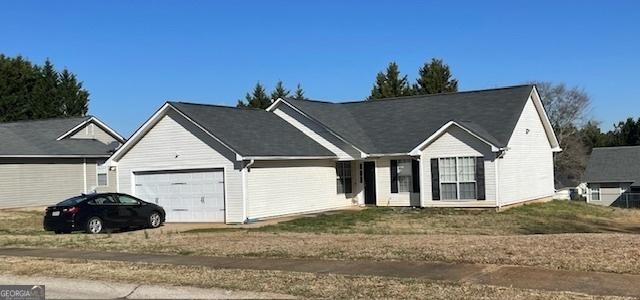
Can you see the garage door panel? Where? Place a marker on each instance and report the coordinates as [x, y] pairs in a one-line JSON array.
[[187, 196]]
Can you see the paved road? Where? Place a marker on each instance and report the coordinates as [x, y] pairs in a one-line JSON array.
[[63, 288], [594, 283]]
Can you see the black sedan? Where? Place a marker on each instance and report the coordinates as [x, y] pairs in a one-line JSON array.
[[95, 213]]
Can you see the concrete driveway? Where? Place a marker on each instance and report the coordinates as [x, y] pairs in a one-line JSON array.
[[63, 288]]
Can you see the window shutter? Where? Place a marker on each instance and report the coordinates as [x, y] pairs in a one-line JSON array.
[[415, 175], [394, 176], [435, 180], [480, 178]]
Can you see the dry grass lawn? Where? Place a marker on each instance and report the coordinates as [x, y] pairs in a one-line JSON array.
[[391, 234], [298, 284]]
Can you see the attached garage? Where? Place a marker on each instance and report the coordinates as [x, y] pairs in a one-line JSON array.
[[186, 195], [205, 163]]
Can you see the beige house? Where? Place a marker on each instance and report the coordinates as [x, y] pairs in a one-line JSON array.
[[487, 148], [46, 161]]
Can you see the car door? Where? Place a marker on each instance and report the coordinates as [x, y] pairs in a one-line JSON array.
[[106, 207], [131, 210]]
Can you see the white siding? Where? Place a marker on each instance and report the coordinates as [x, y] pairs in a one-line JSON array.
[[526, 170], [384, 197], [172, 145], [287, 187], [456, 142], [93, 131], [33, 182], [609, 193], [92, 179]]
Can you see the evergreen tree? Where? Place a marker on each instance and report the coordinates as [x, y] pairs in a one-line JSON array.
[[435, 77], [74, 100], [280, 91], [299, 93], [390, 84], [28, 91], [256, 99]]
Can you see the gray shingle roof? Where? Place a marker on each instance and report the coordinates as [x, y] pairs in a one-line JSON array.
[[39, 138], [397, 125], [614, 164], [252, 132]]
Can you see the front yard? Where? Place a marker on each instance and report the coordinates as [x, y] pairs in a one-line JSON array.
[[555, 235]]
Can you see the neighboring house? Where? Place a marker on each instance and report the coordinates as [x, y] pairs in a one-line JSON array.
[[613, 176], [487, 148], [43, 162]]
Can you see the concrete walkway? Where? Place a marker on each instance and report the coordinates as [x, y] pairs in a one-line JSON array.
[[63, 288], [594, 283]]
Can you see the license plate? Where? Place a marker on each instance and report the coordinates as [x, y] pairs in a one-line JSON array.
[[55, 213]]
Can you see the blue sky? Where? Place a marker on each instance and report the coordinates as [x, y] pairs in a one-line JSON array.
[[134, 55]]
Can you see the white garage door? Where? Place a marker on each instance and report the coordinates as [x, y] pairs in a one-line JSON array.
[[186, 196]]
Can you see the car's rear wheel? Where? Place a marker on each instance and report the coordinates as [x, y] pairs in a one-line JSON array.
[[94, 225], [155, 220]]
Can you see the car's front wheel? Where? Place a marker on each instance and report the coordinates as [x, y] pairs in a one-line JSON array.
[[94, 225], [155, 220]]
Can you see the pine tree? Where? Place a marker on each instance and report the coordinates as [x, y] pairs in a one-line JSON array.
[[435, 77], [299, 93], [390, 84], [74, 100], [28, 91], [279, 92], [256, 99], [45, 101]]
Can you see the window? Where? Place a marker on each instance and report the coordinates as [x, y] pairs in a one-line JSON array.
[[595, 193], [103, 199], [457, 178], [405, 180], [343, 177], [128, 200], [102, 171]]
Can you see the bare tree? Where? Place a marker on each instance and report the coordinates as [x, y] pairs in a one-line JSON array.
[[568, 110]]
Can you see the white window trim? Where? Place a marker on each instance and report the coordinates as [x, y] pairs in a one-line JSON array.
[[410, 176], [592, 190], [457, 181], [343, 179], [105, 173]]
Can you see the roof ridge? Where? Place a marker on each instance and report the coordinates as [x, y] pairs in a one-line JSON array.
[[415, 96], [47, 119], [218, 105]]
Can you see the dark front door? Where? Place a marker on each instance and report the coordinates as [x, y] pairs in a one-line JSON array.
[[369, 182]]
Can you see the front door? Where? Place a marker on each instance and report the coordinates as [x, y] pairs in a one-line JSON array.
[[369, 182]]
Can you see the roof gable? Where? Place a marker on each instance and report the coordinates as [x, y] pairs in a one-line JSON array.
[[250, 133], [39, 138], [398, 125]]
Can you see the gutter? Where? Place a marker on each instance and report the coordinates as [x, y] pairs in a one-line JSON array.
[[244, 190]]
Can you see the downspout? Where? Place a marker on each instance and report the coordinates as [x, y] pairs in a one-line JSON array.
[[84, 173], [244, 190], [497, 171]]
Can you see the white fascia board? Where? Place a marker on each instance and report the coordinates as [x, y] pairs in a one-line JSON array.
[[416, 151], [100, 124], [287, 157], [388, 154], [280, 100], [151, 122], [274, 104], [551, 135], [140, 132]]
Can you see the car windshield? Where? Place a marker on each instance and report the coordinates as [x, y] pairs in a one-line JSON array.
[[72, 201]]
